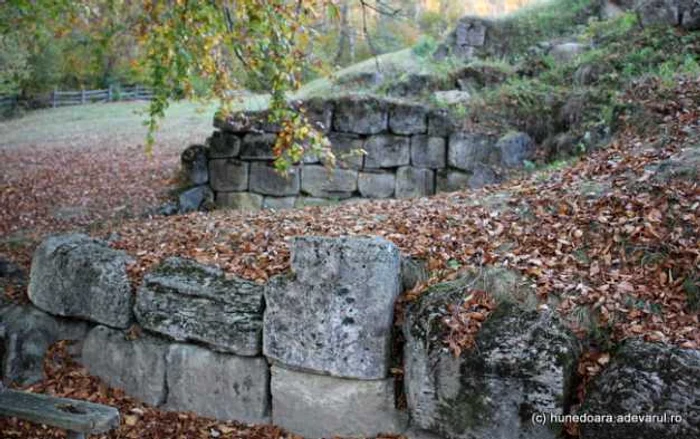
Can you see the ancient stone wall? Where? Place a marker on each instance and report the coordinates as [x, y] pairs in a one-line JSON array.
[[314, 350], [411, 151]]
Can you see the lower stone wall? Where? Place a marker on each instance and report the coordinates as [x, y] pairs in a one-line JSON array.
[[311, 350], [411, 151]]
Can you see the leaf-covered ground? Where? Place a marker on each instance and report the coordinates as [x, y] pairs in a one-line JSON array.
[[612, 238]]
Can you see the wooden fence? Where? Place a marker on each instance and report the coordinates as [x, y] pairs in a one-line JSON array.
[[61, 98], [111, 94]]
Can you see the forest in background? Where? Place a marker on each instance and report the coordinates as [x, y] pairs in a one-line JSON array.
[[97, 46]]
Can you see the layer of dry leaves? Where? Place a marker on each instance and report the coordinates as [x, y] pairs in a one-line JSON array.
[[603, 234]]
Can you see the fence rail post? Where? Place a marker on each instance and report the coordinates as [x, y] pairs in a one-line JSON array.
[[82, 96], [53, 97], [109, 93]]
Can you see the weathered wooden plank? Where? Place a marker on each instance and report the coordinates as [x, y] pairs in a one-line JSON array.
[[68, 414]]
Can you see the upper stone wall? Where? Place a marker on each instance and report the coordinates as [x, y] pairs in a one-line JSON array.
[[411, 150]]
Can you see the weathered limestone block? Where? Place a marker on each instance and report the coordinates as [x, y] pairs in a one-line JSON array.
[[318, 182], [221, 386], [428, 152], [319, 112], [137, 366], [514, 148], [223, 145], [258, 146], [334, 316], [408, 119], [466, 150], [414, 182], [265, 180], [347, 148], [246, 122], [523, 363], [77, 276], [239, 200], [188, 301], [193, 161], [196, 198], [228, 175], [682, 13], [387, 151], [441, 123], [317, 406], [25, 335], [449, 180], [646, 379], [279, 202], [360, 115], [377, 184], [482, 176]]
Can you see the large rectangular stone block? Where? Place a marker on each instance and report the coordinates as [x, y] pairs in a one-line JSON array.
[[188, 301], [239, 200], [228, 175], [316, 406], [408, 118], [334, 316], [387, 151], [466, 151], [279, 202], [347, 148], [223, 145], [414, 182], [221, 386], [449, 180], [258, 146], [318, 182], [360, 115], [137, 366], [376, 184], [428, 152], [265, 180], [319, 112], [77, 276]]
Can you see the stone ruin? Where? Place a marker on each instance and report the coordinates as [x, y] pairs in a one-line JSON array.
[[411, 151], [312, 350]]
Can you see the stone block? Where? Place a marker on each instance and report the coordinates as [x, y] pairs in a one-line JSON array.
[[137, 366], [347, 149], [265, 180], [514, 148], [220, 386], [316, 406], [196, 198], [279, 202], [223, 145], [188, 301], [77, 276], [228, 175], [408, 119], [524, 363], [377, 184], [441, 123], [482, 176], [239, 200], [651, 379], [318, 182], [360, 115], [466, 150], [193, 161], [449, 180], [26, 333], [314, 202], [258, 146], [319, 112], [428, 152], [414, 182], [387, 151], [334, 316]]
